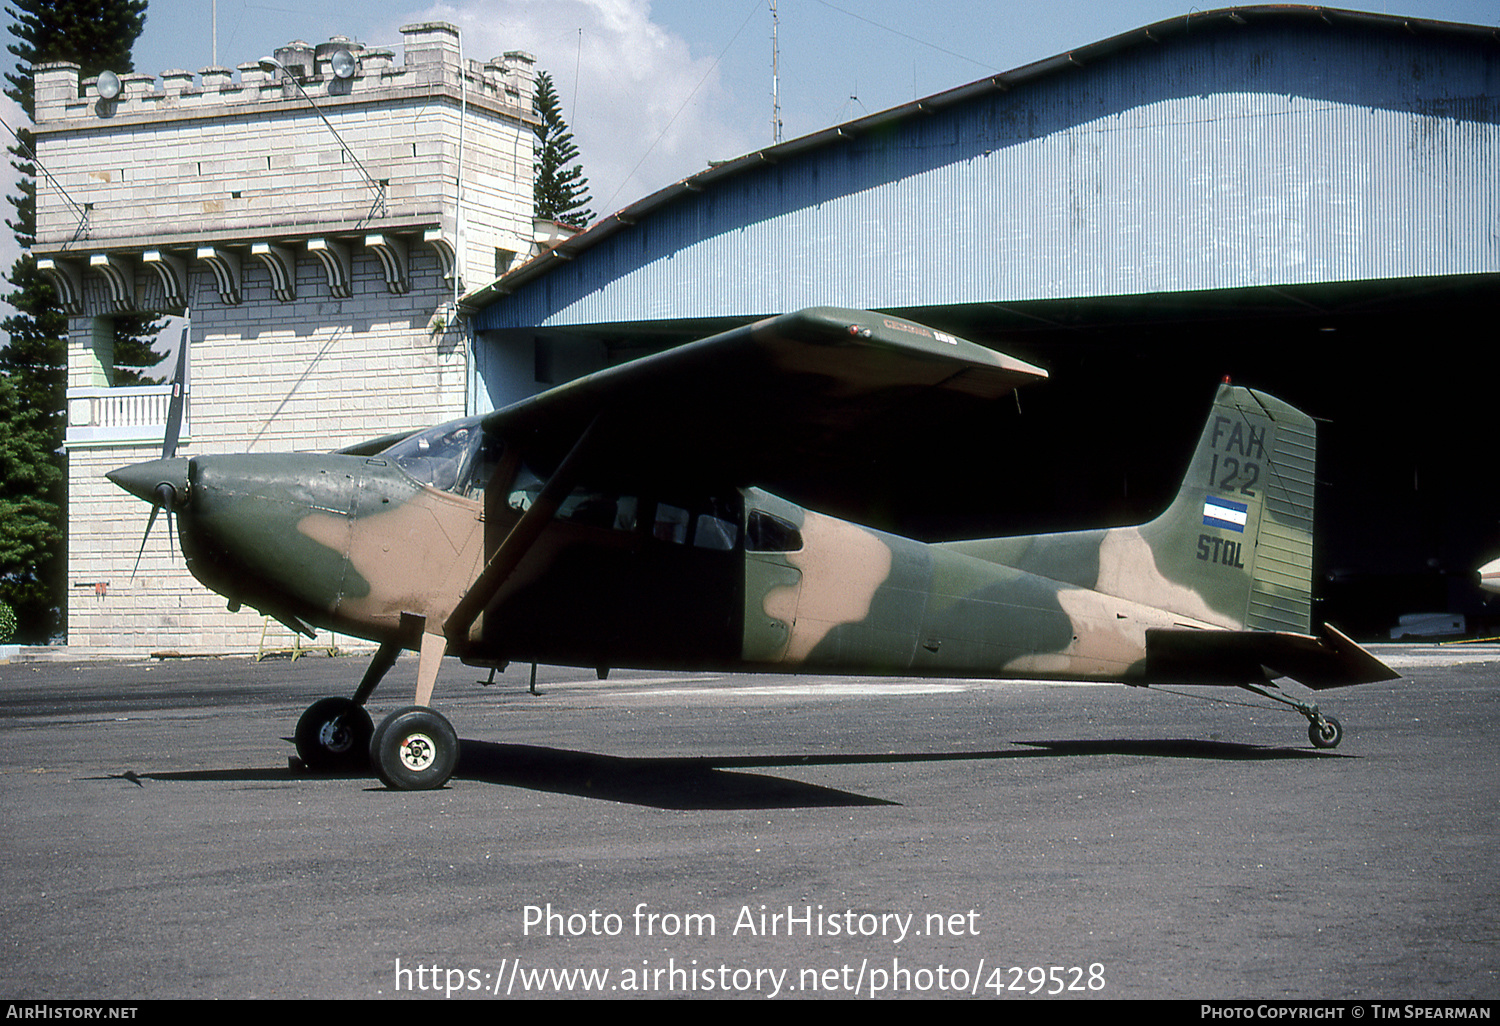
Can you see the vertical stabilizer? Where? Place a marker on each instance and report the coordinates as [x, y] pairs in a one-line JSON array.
[[1240, 530], [1233, 550]]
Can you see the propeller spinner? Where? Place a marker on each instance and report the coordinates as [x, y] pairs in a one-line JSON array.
[[163, 483]]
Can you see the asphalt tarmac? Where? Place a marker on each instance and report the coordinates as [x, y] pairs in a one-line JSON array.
[[698, 836]]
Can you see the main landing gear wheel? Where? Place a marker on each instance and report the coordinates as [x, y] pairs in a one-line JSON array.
[[333, 735], [1325, 732], [415, 749]]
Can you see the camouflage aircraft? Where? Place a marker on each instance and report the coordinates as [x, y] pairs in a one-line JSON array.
[[612, 522]]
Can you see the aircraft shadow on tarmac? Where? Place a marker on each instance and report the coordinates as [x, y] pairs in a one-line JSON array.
[[711, 782]]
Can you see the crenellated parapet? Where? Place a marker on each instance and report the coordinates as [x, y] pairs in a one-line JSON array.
[[432, 64], [317, 153]]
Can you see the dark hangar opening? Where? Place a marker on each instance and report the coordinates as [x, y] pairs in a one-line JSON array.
[[1397, 373], [1399, 376]]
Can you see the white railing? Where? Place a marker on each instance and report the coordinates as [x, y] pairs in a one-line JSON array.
[[121, 416]]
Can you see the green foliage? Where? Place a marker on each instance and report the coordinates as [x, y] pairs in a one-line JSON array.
[[560, 188], [32, 498], [7, 624], [96, 35]]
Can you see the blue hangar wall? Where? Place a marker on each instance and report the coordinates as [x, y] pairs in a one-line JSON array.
[[1304, 198]]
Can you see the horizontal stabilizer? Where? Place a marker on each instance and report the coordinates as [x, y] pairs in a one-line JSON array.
[[1328, 660]]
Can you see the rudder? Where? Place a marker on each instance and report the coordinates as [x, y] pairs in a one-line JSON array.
[[1240, 531]]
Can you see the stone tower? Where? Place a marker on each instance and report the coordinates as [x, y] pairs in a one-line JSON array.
[[314, 219]]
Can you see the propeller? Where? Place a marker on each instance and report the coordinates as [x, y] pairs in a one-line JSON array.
[[179, 394], [161, 482]]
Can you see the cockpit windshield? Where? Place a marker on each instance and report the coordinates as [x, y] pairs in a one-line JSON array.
[[452, 457]]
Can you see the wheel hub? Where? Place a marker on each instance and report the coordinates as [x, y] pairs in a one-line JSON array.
[[417, 752], [415, 749], [335, 737]]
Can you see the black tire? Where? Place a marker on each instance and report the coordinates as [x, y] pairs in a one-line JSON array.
[[415, 749], [1325, 734], [333, 735]]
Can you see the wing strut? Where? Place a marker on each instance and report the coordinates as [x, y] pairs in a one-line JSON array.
[[519, 541], [434, 644]]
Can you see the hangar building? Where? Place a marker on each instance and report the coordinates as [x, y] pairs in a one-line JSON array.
[[1301, 198]]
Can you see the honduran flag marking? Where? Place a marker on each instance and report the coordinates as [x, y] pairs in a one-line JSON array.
[[1225, 513]]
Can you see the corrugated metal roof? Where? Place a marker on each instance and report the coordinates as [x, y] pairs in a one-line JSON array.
[[1253, 146]]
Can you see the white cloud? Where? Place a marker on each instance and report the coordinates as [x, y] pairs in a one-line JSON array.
[[644, 110]]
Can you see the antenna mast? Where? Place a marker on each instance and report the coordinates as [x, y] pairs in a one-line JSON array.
[[775, 75]]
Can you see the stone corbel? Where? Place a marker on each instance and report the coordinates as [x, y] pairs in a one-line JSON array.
[[282, 264], [120, 277], [444, 250], [172, 271], [225, 264], [334, 256], [391, 249], [66, 279]]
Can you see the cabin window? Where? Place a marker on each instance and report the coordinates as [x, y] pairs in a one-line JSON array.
[[767, 533], [708, 524], [711, 524], [627, 513], [671, 523], [716, 533], [717, 526], [525, 489], [483, 466], [584, 505], [593, 509]]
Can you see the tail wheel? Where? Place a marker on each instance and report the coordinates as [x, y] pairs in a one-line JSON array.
[[1325, 732], [333, 735], [415, 749]]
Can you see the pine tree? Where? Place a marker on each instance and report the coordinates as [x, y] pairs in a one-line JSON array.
[[96, 35], [561, 190]]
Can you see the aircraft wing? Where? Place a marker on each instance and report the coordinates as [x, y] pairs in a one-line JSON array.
[[1328, 660], [793, 390]]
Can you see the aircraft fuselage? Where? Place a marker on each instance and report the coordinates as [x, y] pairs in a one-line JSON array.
[[741, 580], [543, 534]]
